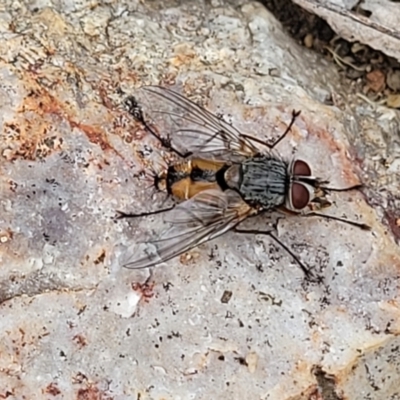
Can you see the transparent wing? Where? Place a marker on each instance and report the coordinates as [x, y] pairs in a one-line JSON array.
[[190, 127], [205, 216]]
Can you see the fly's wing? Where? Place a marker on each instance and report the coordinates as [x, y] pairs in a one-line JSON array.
[[190, 127], [204, 217]]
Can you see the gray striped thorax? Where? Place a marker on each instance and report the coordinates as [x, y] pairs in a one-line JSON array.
[[264, 181]]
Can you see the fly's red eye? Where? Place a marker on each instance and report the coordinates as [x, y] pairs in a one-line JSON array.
[[301, 168], [300, 196]]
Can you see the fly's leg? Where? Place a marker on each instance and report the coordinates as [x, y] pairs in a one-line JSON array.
[[295, 114], [360, 225], [122, 214], [308, 273], [354, 187], [145, 289], [136, 112]]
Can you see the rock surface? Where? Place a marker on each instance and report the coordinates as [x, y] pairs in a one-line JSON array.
[[74, 324], [372, 22]]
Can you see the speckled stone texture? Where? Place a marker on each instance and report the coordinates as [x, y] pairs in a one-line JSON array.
[[75, 325]]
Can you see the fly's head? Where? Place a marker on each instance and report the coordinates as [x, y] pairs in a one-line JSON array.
[[305, 190]]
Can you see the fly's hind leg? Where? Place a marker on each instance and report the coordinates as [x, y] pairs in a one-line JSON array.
[[136, 112], [122, 214], [307, 271]]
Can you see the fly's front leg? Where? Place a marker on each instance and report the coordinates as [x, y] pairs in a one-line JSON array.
[[357, 186], [360, 225], [295, 114]]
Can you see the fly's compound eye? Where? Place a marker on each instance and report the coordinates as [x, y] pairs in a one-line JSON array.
[[300, 192], [299, 196], [301, 168]]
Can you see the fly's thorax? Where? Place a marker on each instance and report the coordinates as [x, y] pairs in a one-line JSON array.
[[185, 189], [264, 181]]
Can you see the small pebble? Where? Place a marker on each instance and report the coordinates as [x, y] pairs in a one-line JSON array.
[[309, 40], [393, 79]]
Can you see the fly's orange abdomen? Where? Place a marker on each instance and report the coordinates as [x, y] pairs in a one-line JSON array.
[[186, 179], [185, 189]]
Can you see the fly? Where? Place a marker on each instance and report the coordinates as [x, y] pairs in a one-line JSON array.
[[221, 179]]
